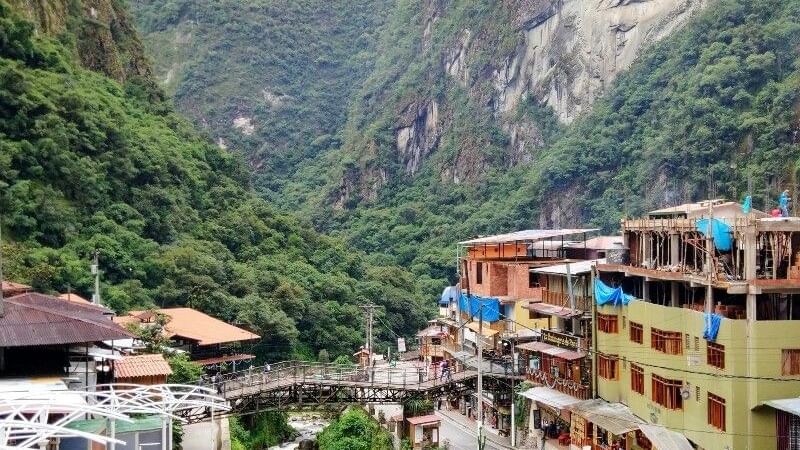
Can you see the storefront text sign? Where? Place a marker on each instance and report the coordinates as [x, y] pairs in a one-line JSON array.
[[562, 340]]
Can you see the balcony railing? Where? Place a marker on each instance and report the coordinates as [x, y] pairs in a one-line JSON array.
[[563, 385], [562, 299]]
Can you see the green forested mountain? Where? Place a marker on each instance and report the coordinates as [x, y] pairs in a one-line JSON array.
[[90, 162], [481, 116], [269, 78]]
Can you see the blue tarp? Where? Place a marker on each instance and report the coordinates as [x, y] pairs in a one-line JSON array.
[[748, 204], [605, 294], [720, 231], [712, 322], [473, 303], [449, 293]]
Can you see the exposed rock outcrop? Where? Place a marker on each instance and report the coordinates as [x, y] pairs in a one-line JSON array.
[[573, 49], [418, 135], [106, 38]]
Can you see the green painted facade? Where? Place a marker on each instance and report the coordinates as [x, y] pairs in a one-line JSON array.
[[752, 349]]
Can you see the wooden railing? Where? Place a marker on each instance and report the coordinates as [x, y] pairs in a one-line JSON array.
[[566, 386], [562, 299]]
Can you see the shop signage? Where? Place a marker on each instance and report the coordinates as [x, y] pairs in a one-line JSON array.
[[562, 340]]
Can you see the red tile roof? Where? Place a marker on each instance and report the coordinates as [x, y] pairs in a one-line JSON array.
[[11, 288], [38, 319], [193, 325], [141, 366], [424, 420]]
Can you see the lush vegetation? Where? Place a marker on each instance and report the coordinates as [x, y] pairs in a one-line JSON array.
[[354, 430], [87, 163], [260, 431], [289, 66], [710, 111]]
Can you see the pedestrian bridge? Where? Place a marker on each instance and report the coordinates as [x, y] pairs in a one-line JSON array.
[[298, 384]]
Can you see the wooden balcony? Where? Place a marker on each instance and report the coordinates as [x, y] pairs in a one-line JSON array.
[[562, 299], [566, 386]]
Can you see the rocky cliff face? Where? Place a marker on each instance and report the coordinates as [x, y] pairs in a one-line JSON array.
[[105, 38], [572, 49], [567, 53]]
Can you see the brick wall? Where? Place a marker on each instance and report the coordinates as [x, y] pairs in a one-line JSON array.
[[518, 283], [494, 279]]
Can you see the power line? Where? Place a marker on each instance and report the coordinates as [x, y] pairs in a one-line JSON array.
[[694, 372]]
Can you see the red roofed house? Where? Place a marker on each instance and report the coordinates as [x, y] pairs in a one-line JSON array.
[[142, 369], [11, 289], [208, 340]]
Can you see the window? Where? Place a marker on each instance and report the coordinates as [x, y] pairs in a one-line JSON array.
[[715, 355], [697, 343], [637, 332], [637, 379], [533, 280], [688, 345], [668, 342], [607, 323], [667, 393], [791, 362], [479, 273], [607, 366], [716, 411]]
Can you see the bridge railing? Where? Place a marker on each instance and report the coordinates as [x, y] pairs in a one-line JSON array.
[[294, 372]]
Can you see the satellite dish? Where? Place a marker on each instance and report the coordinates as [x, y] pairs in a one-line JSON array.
[[686, 393]]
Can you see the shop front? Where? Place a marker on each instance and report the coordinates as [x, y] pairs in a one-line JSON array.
[[604, 426], [549, 412]]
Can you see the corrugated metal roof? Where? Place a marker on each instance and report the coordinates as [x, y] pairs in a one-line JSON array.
[[550, 397], [613, 417], [600, 243], [37, 319], [551, 310], [527, 236], [665, 439], [552, 350], [789, 405], [141, 366], [576, 268], [11, 288], [424, 420]]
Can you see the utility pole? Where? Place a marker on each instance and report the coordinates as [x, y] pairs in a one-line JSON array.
[[369, 309], [513, 397], [479, 339], [96, 272], [2, 300]]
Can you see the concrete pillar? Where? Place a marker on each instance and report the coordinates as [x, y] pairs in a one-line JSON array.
[[674, 249], [751, 307], [750, 253], [674, 294], [645, 290]]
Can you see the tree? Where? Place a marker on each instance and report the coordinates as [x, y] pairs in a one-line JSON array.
[[323, 356], [183, 370], [354, 430]]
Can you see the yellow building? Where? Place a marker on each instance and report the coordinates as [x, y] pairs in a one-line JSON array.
[[651, 354]]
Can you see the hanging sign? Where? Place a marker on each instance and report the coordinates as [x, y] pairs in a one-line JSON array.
[[562, 340], [401, 345]]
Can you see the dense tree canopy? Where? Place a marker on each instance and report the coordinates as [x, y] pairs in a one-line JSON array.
[[87, 163]]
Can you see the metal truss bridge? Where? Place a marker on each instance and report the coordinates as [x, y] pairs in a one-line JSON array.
[[297, 385]]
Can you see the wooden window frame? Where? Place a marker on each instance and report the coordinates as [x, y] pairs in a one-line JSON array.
[[715, 355], [608, 323], [608, 367], [669, 342], [637, 379], [636, 332], [790, 362], [666, 392], [716, 411], [479, 272]]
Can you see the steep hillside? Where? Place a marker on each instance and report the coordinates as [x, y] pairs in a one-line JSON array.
[[271, 79], [483, 116], [87, 162]]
